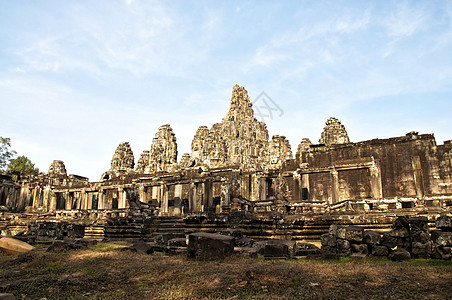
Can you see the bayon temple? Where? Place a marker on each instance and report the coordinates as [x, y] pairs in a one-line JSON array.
[[234, 168]]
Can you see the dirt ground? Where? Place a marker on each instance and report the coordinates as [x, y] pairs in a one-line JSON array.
[[106, 272]]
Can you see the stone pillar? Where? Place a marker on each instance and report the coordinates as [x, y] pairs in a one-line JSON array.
[[305, 185], [121, 198], [208, 199], [164, 202], [192, 198], [375, 182], [335, 186], [143, 194]]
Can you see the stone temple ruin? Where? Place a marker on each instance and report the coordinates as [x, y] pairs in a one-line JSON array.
[[235, 176]]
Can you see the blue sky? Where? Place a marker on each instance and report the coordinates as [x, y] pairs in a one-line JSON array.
[[79, 77]]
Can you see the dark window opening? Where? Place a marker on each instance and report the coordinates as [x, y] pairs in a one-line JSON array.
[[95, 203], [60, 201], [171, 202], [304, 194], [371, 206], [114, 203], [407, 204]]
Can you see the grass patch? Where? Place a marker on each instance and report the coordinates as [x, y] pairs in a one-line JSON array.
[[103, 272]]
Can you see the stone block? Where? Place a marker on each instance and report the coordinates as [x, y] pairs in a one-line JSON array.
[[444, 223], [388, 241], [359, 249], [343, 247], [421, 250], [12, 246], [442, 238], [354, 234], [440, 252], [207, 246], [328, 240], [244, 242], [420, 237], [234, 232], [418, 224], [338, 231], [307, 249], [178, 242], [401, 222], [380, 250], [400, 255], [276, 251], [401, 232], [372, 237]]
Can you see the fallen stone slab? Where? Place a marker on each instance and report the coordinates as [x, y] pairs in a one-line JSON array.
[[13, 246], [207, 246], [276, 251]]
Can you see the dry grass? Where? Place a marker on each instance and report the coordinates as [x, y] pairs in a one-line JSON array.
[[104, 272]]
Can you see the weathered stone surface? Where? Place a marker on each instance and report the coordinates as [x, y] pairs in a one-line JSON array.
[[57, 169], [304, 146], [12, 246], [123, 158], [140, 247], [359, 248], [444, 223], [178, 242], [338, 231], [419, 224], [420, 236], [343, 247], [388, 241], [400, 255], [275, 250], [401, 222], [440, 252], [354, 234], [400, 232], [278, 152], [66, 245], [421, 250], [307, 249], [334, 133], [206, 246], [371, 237], [247, 251], [442, 238], [328, 240], [143, 162], [238, 139], [245, 242], [234, 232], [379, 250]]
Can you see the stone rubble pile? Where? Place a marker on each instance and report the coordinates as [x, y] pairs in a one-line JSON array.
[[409, 237]]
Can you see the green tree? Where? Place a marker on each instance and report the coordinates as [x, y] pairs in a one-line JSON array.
[[5, 153], [22, 165]]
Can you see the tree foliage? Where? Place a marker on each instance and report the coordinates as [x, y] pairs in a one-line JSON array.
[[22, 165], [5, 153]]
